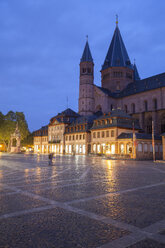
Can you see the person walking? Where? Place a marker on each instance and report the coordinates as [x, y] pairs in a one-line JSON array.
[[51, 158]]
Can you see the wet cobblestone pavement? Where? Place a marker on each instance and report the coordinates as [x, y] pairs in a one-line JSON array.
[[81, 202]]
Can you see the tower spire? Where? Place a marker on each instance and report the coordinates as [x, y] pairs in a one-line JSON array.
[[116, 20], [86, 57]]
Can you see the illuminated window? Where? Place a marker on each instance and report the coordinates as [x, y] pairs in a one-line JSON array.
[[98, 148], [77, 150], [94, 148], [112, 133]]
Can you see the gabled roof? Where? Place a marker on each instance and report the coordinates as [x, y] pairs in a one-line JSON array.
[[86, 57], [117, 54], [69, 112], [138, 136], [66, 116]]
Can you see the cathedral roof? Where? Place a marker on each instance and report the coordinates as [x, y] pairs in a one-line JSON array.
[[151, 83], [117, 54], [86, 57], [143, 85]]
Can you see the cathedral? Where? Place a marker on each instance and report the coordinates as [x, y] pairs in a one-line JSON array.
[[121, 87], [118, 118]]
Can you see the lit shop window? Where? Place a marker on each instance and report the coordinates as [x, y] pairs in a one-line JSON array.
[[70, 148], [94, 148], [83, 149], [98, 149], [77, 149], [113, 148]]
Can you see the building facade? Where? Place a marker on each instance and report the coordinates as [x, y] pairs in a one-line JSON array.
[[114, 118], [41, 140]]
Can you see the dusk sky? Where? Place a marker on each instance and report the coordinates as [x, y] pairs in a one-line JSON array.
[[42, 41]]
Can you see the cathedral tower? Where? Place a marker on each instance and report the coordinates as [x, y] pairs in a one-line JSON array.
[[117, 70], [86, 87]]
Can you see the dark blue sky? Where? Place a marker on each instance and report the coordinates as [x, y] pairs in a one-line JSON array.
[[41, 43]]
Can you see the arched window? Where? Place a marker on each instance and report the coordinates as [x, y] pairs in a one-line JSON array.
[[133, 108], [163, 124], [145, 106], [125, 108], [155, 104]]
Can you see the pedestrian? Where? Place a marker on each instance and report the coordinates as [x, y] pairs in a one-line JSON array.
[[50, 158]]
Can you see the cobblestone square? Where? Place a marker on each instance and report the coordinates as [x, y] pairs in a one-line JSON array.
[[81, 201]]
